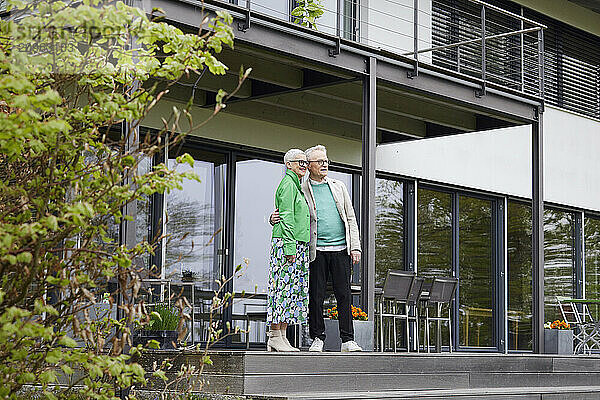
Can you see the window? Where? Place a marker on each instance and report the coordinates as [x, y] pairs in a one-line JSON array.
[[558, 260], [476, 264], [519, 276], [434, 233], [389, 228], [592, 262], [195, 221]]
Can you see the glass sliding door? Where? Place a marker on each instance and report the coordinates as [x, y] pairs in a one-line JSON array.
[[389, 228], [519, 276], [592, 261], [476, 266], [434, 241], [255, 185], [194, 247], [559, 260]]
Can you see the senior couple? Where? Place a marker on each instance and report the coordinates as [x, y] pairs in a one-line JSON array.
[[314, 223]]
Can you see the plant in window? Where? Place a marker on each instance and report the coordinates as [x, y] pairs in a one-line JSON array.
[[307, 12]]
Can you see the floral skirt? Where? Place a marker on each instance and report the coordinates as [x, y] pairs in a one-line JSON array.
[[288, 285]]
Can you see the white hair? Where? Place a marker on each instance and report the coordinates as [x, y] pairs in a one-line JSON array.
[[318, 147], [291, 155]]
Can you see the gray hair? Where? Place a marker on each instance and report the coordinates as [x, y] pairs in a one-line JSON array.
[[318, 147], [291, 155]]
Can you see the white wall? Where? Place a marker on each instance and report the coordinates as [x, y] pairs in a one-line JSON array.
[[500, 160], [264, 135]]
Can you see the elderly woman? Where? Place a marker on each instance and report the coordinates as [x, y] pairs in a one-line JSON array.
[[288, 270]]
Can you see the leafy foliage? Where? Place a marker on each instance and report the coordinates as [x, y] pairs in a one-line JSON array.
[[164, 317], [307, 12], [75, 80]]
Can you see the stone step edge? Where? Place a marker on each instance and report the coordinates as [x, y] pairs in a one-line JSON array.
[[439, 393]]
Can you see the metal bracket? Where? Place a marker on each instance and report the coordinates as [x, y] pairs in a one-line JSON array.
[[414, 72], [481, 91], [336, 50], [245, 25]]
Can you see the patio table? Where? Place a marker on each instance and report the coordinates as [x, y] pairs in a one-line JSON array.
[[589, 337]]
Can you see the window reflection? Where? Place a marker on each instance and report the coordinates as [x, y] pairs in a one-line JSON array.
[[434, 233], [195, 221], [558, 260], [475, 267], [519, 276], [592, 262], [434, 240], [389, 228]]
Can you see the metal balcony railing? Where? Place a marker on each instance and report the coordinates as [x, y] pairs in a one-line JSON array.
[[469, 37]]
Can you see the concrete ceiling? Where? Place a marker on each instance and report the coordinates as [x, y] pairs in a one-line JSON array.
[[593, 5]]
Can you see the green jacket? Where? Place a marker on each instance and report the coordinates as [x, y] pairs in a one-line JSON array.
[[293, 211]]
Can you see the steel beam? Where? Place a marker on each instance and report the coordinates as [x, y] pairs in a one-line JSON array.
[[369, 141], [537, 207]]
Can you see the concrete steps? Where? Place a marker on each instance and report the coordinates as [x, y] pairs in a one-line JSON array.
[[299, 376]]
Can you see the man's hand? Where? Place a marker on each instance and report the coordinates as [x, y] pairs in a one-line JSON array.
[[274, 218], [355, 255], [291, 259]]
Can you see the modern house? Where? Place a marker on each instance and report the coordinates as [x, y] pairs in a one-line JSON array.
[[467, 133]]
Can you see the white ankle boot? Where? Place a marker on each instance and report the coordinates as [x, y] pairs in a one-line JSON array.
[[278, 342]]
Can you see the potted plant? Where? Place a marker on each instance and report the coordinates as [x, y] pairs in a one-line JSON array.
[[363, 330], [188, 275], [558, 338], [162, 327]]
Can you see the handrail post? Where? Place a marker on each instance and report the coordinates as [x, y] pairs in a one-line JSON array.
[[245, 25], [483, 66], [415, 71], [541, 64], [338, 30]]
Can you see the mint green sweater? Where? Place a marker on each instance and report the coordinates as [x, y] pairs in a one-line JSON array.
[[330, 227]]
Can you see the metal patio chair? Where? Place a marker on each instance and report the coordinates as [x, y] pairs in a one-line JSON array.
[[576, 313], [441, 293], [399, 296]]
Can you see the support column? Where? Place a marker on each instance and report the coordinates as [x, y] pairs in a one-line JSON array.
[[537, 208], [369, 138]]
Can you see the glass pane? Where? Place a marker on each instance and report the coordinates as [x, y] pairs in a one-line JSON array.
[[475, 267], [143, 223], [592, 262], [558, 260], [253, 206], [519, 276], [434, 233], [389, 228], [276, 8], [195, 221], [434, 242]]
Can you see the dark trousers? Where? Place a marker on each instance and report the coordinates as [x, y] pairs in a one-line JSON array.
[[337, 265]]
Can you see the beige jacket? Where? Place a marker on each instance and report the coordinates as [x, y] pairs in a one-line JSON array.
[[344, 206]]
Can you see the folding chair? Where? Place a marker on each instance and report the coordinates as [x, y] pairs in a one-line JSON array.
[[394, 303]]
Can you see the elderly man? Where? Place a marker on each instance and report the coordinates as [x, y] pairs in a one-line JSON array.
[[334, 244]]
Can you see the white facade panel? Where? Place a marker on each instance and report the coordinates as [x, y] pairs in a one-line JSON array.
[[255, 133], [500, 160]]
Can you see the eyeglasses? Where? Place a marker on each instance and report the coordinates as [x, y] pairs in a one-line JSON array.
[[302, 163], [321, 162]]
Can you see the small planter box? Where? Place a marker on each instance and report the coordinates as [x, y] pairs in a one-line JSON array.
[[558, 341], [363, 335]]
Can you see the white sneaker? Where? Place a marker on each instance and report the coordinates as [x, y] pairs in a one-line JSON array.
[[316, 346], [350, 346]]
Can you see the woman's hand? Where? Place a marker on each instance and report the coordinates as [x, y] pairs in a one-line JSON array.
[[355, 255], [274, 218], [291, 259]]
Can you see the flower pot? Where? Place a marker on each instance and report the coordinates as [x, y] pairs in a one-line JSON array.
[[558, 341], [363, 335], [166, 339]]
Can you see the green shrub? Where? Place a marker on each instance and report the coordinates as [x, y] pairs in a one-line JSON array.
[[164, 317]]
